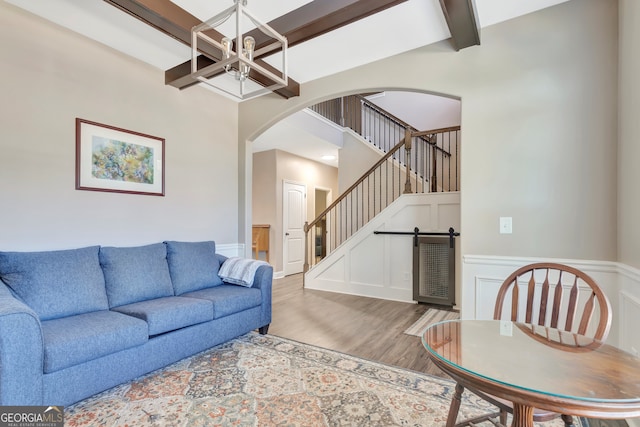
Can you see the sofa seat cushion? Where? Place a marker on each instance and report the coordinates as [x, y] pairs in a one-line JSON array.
[[134, 274], [76, 339], [169, 313], [56, 283], [193, 266], [229, 299]]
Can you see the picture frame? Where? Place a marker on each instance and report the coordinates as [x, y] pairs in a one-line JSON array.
[[118, 160]]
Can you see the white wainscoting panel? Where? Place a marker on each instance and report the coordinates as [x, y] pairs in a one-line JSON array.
[[629, 322], [483, 275], [485, 289], [381, 266], [628, 317], [230, 249]]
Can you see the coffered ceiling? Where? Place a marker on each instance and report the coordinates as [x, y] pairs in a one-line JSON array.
[[326, 36]]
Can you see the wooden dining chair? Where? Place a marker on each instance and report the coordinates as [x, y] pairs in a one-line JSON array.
[[545, 294]]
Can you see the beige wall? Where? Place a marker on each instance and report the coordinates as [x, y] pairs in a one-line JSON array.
[[539, 116], [49, 77], [273, 167], [539, 123], [629, 137], [264, 195], [354, 160]]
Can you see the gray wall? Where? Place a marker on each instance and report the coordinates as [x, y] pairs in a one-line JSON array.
[[629, 138], [539, 127], [49, 77]]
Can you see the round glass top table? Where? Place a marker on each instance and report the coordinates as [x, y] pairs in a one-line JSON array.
[[537, 367]]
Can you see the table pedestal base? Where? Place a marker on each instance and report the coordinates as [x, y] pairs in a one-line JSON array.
[[522, 416]]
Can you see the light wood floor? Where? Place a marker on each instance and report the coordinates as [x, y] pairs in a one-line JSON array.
[[365, 327]]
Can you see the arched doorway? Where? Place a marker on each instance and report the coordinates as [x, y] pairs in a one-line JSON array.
[[305, 147]]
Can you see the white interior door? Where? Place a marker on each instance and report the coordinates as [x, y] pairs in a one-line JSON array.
[[294, 212]]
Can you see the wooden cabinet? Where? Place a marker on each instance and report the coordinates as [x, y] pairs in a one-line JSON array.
[[260, 240]]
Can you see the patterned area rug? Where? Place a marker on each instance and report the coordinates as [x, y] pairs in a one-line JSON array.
[[431, 316], [258, 380]]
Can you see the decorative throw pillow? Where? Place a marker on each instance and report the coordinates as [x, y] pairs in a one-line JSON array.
[[193, 266], [56, 283], [135, 274]]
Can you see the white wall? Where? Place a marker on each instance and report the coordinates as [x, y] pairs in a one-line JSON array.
[[411, 107], [50, 76]]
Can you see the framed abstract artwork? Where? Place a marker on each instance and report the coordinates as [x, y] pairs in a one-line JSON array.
[[118, 160]]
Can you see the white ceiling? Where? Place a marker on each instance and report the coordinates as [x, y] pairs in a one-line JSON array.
[[404, 27]]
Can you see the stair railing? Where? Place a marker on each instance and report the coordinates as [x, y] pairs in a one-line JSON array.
[[416, 164], [376, 125]]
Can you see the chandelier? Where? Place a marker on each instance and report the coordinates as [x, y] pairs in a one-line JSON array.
[[237, 55]]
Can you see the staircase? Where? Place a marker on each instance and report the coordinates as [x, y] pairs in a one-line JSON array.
[[411, 161]]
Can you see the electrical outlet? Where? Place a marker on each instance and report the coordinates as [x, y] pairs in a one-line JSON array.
[[506, 225]]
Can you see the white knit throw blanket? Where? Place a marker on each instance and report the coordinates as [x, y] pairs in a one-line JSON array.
[[239, 271]]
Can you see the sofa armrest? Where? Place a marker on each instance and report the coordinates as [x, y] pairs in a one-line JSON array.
[[21, 352], [263, 280]]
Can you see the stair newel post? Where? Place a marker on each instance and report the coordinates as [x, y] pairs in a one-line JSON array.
[[434, 167], [306, 248], [407, 149]]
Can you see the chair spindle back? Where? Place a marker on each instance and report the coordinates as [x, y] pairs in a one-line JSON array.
[[551, 296]]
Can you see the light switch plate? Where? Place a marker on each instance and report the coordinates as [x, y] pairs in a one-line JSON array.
[[506, 225], [506, 328]]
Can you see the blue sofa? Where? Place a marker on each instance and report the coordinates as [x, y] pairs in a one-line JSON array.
[[77, 322]]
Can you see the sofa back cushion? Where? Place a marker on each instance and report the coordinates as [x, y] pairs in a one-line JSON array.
[[56, 283], [135, 274], [193, 266]]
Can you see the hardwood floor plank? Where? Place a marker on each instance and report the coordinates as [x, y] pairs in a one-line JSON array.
[[364, 327]]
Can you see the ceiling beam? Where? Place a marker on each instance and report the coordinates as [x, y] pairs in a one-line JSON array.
[[462, 21], [176, 22], [322, 16], [309, 21]]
